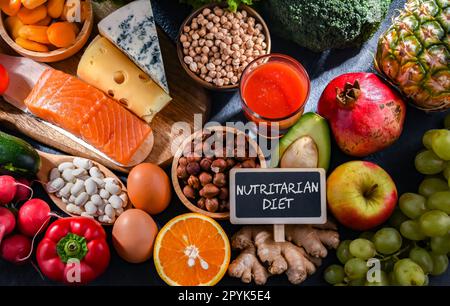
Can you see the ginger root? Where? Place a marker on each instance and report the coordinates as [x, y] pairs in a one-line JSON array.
[[298, 256]]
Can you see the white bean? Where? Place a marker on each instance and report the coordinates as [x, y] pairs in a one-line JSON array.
[[80, 172], [85, 177], [82, 163], [104, 194], [65, 200], [112, 188], [68, 175], [54, 174], [65, 191], [111, 180], [90, 186], [74, 209], [97, 200], [55, 185], [81, 199], [123, 196], [109, 211], [72, 198], [90, 208], [101, 210], [77, 188], [100, 182], [65, 165], [106, 219], [119, 211], [95, 172], [86, 215], [115, 201]]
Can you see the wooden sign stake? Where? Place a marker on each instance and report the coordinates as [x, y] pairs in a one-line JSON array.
[[278, 232]]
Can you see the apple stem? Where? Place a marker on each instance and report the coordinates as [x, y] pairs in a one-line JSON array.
[[372, 189]]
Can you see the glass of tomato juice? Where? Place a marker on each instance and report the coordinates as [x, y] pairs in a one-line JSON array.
[[274, 89]]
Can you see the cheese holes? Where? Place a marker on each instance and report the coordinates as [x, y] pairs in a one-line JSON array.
[[124, 102], [111, 93], [119, 77], [144, 78]]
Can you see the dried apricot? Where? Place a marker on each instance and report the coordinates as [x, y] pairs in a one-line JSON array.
[[61, 34], [34, 33], [31, 45], [33, 16]]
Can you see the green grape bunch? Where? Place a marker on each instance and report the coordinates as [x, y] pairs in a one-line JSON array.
[[415, 244]]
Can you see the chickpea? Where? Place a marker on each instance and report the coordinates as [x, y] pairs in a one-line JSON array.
[[209, 36], [234, 79], [202, 32], [186, 44], [188, 60], [203, 70], [192, 53], [194, 25], [208, 79], [214, 30], [198, 50], [214, 49], [201, 42], [206, 11], [218, 11], [186, 29], [194, 43], [226, 81], [216, 19], [193, 66], [210, 66], [195, 36], [220, 82], [209, 43], [204, 59]]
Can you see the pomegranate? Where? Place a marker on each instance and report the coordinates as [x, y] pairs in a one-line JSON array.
[[364, 113]]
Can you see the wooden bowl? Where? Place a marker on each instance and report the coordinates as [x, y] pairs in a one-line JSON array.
[[250, 11], [58, 54], [175, 181], [50, 161]]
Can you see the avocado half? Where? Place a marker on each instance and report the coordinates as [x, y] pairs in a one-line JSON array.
[[310, 126]]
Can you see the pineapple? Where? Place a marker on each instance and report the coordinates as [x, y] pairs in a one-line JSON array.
[[414, 53]]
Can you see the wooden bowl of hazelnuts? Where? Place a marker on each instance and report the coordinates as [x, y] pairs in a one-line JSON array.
[[200, 168], [214, 45]]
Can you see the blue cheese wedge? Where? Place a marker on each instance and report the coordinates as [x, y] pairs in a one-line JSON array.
[[132, 29]]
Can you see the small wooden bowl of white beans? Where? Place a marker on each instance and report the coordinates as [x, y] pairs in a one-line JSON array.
[[215, 45]]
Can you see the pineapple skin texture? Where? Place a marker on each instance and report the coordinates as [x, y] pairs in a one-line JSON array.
[[414, 53]]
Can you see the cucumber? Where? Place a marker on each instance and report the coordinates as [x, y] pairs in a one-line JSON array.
[[18, 156]]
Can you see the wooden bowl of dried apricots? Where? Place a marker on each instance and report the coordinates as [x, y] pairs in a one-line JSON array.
[[46, 30]]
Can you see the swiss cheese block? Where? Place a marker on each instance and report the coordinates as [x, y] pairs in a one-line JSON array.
[[107, 68], [132, 29]]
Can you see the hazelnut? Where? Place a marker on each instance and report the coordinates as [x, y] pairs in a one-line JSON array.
[[181, 172], [182, 161], [205, 178], [219, 165], [193, 168], [220, 179], [194, 182], [224, 205], [212, 205], [201, 203], [189, 192], [209, 191], [205, 163], [230, 163], [223, 193]]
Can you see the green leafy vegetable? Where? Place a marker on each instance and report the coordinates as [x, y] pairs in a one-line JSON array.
[[232, 4]]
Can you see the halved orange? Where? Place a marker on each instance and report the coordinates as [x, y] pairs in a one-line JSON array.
[[191, 250]]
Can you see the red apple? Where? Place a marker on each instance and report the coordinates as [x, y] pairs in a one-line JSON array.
[[361, 195]]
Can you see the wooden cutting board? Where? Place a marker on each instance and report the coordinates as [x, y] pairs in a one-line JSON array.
[[188, 99]]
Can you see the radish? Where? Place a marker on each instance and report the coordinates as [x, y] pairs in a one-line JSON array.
[[33, 217], [15, 248], [7, 222], [24, 191], [8, 189]]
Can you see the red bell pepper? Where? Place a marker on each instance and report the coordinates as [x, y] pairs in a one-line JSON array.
[[73, 250], [4, 79]]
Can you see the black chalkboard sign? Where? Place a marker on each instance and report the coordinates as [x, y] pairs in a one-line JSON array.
[[277, 196]]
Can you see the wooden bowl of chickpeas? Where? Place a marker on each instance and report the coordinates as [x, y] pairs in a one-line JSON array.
[[215, 45], [47, 30]]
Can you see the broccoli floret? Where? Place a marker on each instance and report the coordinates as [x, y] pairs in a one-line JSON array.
[[325, 24]]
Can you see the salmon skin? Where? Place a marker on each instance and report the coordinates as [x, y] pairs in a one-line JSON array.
[[87, 113]]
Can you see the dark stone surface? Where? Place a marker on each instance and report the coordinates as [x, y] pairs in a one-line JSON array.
[[398, 160]]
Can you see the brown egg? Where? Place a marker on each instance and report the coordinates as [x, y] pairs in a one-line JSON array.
[[149, 188], [133, 234]]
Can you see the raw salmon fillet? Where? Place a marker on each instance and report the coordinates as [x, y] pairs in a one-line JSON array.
[[87, 113]]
